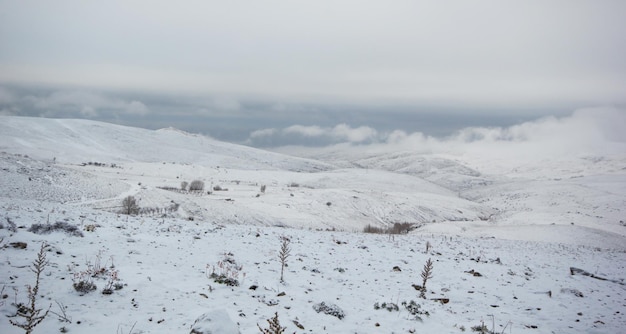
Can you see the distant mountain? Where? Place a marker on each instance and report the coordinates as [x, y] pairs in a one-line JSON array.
[[76, 140]]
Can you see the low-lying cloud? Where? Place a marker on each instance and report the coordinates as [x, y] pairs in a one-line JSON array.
[[69, 104], [585, 131], [314, 135]]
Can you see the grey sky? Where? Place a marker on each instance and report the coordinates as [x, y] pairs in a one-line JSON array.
[[255, 65]]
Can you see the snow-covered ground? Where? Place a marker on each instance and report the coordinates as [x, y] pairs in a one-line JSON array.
[[502, 236]]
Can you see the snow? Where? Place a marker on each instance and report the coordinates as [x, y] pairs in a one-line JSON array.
[[502, 237]]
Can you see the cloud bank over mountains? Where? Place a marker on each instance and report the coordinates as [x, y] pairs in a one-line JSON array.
[[586, 131], [266, 125]]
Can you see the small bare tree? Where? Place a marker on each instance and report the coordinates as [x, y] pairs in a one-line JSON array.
[[284, 253], [130, 206], [183, 185], [263, 189], [427, 273], [31, 314], [196, 185]]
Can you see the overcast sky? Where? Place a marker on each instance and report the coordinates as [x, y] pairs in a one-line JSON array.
[[257, 71]]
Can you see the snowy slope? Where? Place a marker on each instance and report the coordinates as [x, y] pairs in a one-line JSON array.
[[74, 141], [509, 286]]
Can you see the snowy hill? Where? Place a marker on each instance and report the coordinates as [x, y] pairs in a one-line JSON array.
[[503, 236], [75, 141], [87, 151]]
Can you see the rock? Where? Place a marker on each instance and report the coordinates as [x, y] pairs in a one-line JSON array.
[[574, 292], [214, 322], [18, 245], [474, 273], [441, 300]]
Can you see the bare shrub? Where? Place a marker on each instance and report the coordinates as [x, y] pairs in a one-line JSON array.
[[373, 229], [400, 228], [68, 228], [330, 309], [275, 327], [130, 206], [283, 254], [11, 225], [396, 228], [427, 273], [183, 185], [226, 271], [196, 185], [32, 315], [263, 187]]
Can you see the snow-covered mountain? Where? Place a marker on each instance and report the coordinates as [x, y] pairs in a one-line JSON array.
[[75, 140], [502, 235]]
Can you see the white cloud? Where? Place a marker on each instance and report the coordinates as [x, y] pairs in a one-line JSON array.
[[137, 108], [88, 112], [339, 133], [263, 133], [353, 135], [78, 103], [585, 131], [226, 104], [307, 131], [6, 97], [592, 131], [486, 53]]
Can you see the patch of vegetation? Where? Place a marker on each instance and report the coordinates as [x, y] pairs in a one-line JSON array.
[[386, 306], [226, 271], [274, 326], [330, 309], [65, 227], [415, 309], [396, 228], [196, 185]]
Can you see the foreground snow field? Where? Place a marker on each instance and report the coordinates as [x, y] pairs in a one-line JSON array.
[[532, 251]]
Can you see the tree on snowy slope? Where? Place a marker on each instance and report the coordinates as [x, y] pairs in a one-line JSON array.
[[130, 206]]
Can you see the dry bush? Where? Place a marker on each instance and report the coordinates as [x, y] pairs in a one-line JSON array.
[[427, 273], [68, 228], [275, 327], [373, 229], [396, 228], [196, 185], [284, 253], [32, 315]]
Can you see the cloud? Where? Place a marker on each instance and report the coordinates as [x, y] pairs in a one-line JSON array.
[[6, 96], [137, 108], [263, 133], [354, 135], [585, 131], [590, 131], [70, 103], [307, 131], [485, 55], [313, 135]]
